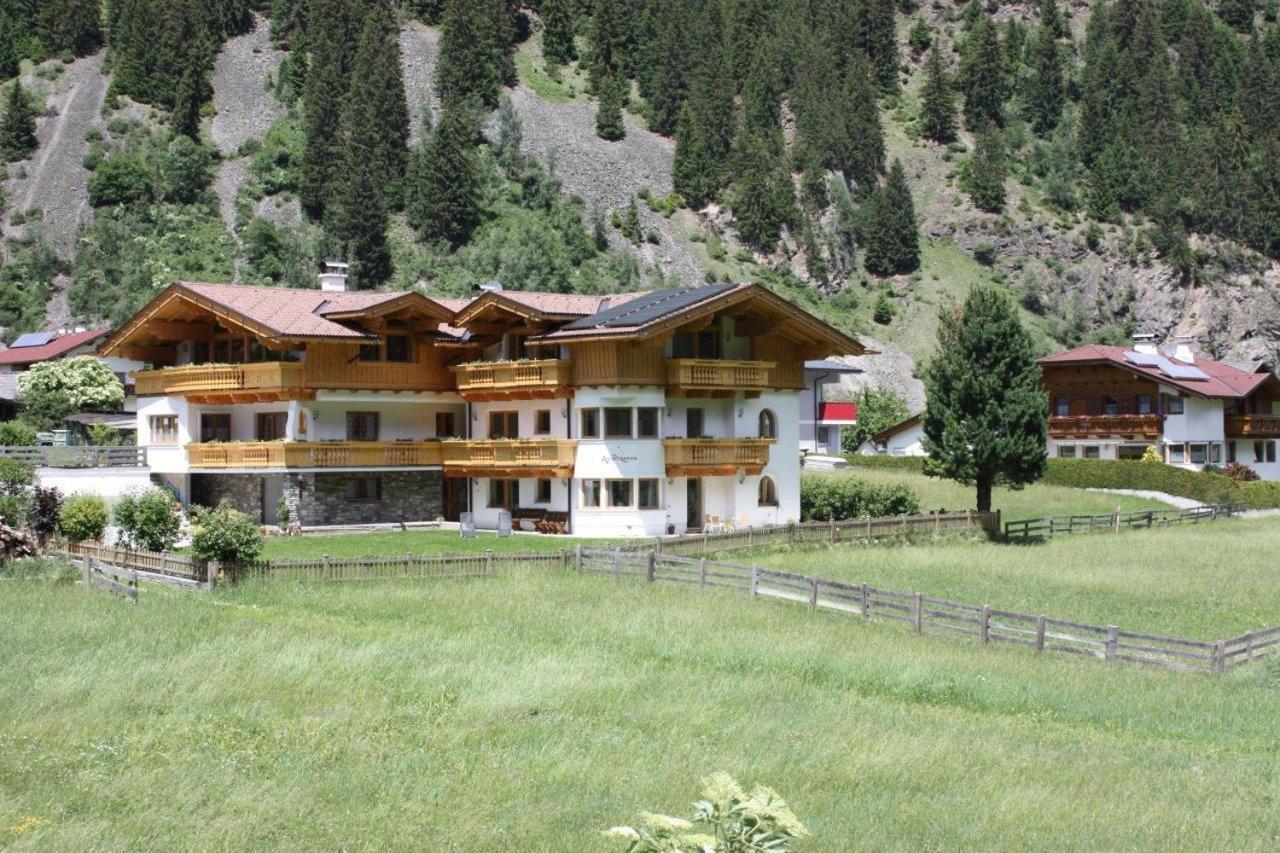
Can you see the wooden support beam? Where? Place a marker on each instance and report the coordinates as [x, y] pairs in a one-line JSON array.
[[176, 331]]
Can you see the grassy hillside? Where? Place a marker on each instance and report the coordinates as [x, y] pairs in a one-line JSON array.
[[532, 711]]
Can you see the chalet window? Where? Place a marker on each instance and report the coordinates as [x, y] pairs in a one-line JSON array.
[[590, 423], [543, 494], [236, 355], [1066, 451], [270, 426], [824, 435], [591, 493], [362, 426], [542, 422], [1231, 451], [1062, 407], [1264, 451], [221, 352], [649, 494], [215, 427], [504, 425], [768, 424], [256, 352], [1092, 451], [1215, 454], [1144, 404], [620, 493], [693, 423], [504, 494], [364, 489], [398, 349], [617, 423], [370, 352], [1131, 452], [200, 352], [1199, 454], [1174, 405], [1177, 454], [164, 429], [704, 344], [446, 425], [768, 493], [1110, 406], [647, 423]]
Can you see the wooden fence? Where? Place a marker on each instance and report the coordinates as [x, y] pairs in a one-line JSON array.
[[410, 566], [123, 582], [155, 566], [78, 456], [931, 616], [1050, 526]]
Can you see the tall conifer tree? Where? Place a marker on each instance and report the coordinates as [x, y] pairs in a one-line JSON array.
[[937, 101], [982, 73], [444, 187], [1046, 89], [558, 30], [892, 237], [988, 170], [18, 127]]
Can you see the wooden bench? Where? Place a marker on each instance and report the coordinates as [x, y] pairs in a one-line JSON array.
[[522, 514], [554, 522]]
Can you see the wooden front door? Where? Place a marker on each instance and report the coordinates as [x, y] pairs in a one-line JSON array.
[[454, 497], [694, 504]]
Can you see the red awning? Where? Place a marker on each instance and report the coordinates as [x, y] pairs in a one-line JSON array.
[[835, 414]]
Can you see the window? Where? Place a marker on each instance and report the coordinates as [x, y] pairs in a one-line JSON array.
[[647, 423], [504, 425], [590, 423], [1174, 405], [704, 344], [542, 422], [270, 426], [543, 493], [1110, 406], [1131, 452], [446, 425], [617, 423], [1264, 451], [649, 494], [620, 493], [164, 429], [1215, 454], [364, 489], [1199, 454], [1177, 454], [1231, 451], [1144, 404], [693, 423], [504, 494], [1092, 451], [362, 426], [591, 493], [1062, 407], [221, 352], [199, 352], [768, 492], [768, 424], [215, 427], [1066, 451], [370, 352], [398, 349], [237, 351], [824, 435]]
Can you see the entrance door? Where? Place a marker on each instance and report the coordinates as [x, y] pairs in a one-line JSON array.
[[454, 495], [693, 423], [694, 504], [272, 492]]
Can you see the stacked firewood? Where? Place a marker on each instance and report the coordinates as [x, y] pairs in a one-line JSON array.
[[16, 543]]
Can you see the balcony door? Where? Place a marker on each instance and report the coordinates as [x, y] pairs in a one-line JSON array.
[[693, 503], [270, 426], [693, 423], [504, 425], [215, 427]]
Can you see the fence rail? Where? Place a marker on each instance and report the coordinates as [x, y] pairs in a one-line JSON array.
[[929, 616], [407, 567], [1050, 526], [78, 456]]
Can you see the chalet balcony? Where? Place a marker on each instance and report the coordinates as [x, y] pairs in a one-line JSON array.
[[1253, 426], [715, 457], [696, 377], [314, 454], [1081, 426], [510, 380], [285, 380], [509, 458]]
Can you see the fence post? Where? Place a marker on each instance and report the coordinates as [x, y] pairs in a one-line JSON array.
[[1113, 639], [212, 569], [831, 528], [751, 537], [705, 537], [866, 601], [84, 565], [813, 592], [1219, 657], [984, 624], [702, 572], [652, 567], [1151, 518], [617, 563], [1248, 646], [577, 557], [408, 565], [1039, 634], [1115, 520], [868, 528], [324, 568], [488, 562], [917, 614], [755, 582]]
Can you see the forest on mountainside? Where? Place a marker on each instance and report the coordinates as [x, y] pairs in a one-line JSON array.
[[867, 158]]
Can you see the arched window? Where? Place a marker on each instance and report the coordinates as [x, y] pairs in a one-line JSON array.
[[768, 492], [768, 424]]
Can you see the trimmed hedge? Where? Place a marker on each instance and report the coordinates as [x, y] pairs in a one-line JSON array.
[[1202, 486], [915, 464], [827, 496]]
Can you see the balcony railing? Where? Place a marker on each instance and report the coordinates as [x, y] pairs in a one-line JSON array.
[[509, 458], [317, 454], [716, 456], [497, 380], [212, 378], [1253, 426], [1146, 426], [694, 377]]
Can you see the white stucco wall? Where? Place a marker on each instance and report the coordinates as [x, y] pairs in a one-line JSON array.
[[109, 483]]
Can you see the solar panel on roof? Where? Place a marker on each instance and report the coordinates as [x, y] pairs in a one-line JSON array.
[[644, 309], [33, 339], [1173, 370], [1146, 359]]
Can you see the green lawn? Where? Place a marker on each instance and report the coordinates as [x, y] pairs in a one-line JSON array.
[[529, 711], [1209, 581], [398, 542]]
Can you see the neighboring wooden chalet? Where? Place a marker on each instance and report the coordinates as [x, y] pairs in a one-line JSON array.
[[624, 414]]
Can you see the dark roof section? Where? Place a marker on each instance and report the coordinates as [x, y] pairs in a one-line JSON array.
[[650, 307]]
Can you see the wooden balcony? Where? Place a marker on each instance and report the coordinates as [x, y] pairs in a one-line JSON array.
[[716, 457], [266, 382], [694, 377], [515, 380], [1253, 426], [1082, 426], [314, 454], [507, 458]]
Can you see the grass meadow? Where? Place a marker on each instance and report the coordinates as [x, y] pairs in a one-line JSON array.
[[399, 542], [530, 710]]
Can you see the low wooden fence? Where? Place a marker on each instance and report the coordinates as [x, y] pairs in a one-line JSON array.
[[410, 566], [123, 582], [155, 566], [931, 616], [78, 456], [1050, 526]]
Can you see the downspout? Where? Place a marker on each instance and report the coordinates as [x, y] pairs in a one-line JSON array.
[[470, 485]]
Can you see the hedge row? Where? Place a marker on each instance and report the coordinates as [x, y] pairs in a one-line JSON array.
[[1203, 486], [892, 463], [825, 496]]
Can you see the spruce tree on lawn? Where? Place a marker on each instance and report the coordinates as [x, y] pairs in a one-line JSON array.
[[609, 123], [988, 170], [558, 27], [937, 101], [986, 415], [444, 189], [892, 238], [18, 127]]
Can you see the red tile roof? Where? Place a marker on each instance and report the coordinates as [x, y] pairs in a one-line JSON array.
[[56, 348], [1223, 380], [292, 312]]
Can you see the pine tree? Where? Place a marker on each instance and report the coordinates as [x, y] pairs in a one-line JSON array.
[[763, 197], [187, 100], [982, 74], [1098, 83], [630, 226], [8, 48], [1046, 89], [1238, 14], [376, 97], [988, 170], [607, 57], [921, 36], [704, 136], [74, 25], [331, 36], [1052, 18], [445, 181], [558, 30], [879, 29], [861, 148], [475, 50], [892, 237], [18, 127], [609, 123], [937, 101], [666, 94], [986, 415], [1263, 198]]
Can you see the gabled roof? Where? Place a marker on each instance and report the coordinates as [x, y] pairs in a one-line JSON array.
[[1215, 378], [537, 305], [901, 426], [56, 347]]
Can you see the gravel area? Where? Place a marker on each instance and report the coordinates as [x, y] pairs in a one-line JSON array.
[[1151, 495], [891, 369], [245, 110], [420, 50]]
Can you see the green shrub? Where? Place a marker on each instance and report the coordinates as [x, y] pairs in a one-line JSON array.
[[83, 517], [914, 464], [17, 434], [1260, 494], [148, 520], [839, 496], [185, 170], [119, 179], [17, 491], [1114, 474], [226, 535], [45, 509]]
